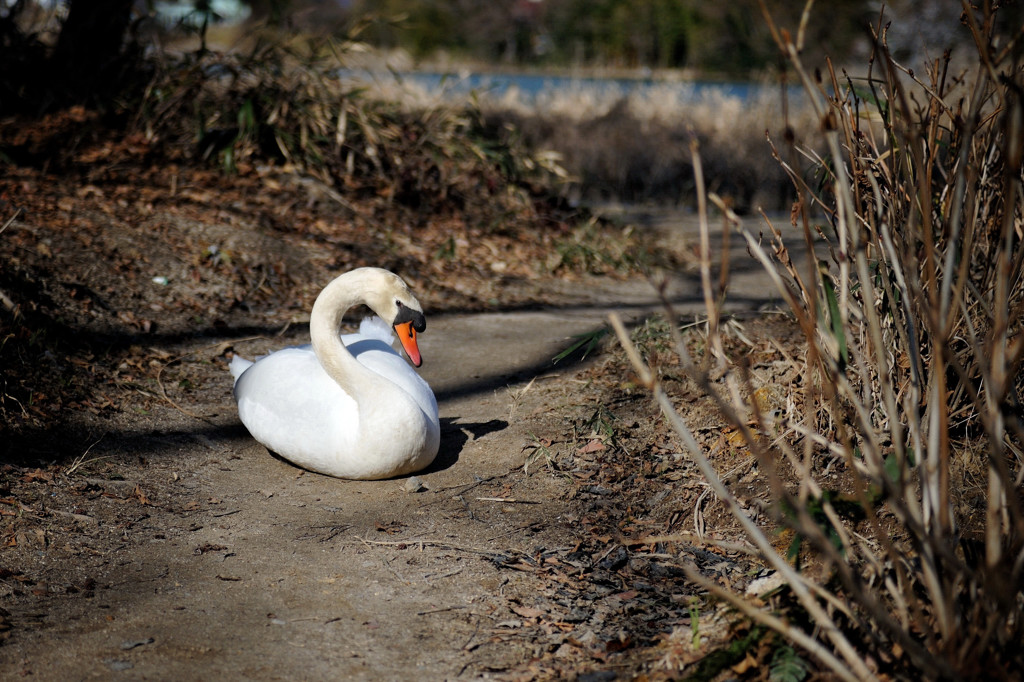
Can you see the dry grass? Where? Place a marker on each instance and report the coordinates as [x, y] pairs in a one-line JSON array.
[[631, 146], [911, 383], [634, 147]]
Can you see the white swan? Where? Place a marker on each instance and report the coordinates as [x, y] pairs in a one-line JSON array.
[[347, 406]]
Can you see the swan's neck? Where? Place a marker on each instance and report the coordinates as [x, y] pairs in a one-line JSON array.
[[394, 433], [337, 298], [378, 399]]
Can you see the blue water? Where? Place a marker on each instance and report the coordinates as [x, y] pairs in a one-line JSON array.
[[531, 86]]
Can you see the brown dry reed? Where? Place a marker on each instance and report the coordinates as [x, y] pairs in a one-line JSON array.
[[912, 308], [634, 147]]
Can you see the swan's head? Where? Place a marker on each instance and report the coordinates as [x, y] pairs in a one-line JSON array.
[[390, 298], [386, 295]]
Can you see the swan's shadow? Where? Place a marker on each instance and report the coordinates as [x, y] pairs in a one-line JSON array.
[[455, 435]]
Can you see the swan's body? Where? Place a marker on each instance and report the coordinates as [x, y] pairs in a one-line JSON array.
[[347, 406]]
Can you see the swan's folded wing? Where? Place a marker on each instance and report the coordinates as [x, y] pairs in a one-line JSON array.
[[386, 362]]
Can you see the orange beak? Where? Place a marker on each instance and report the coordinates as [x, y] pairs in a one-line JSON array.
[[407, 335]]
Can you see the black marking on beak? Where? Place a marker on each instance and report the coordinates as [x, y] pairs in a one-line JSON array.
[[407, 314]]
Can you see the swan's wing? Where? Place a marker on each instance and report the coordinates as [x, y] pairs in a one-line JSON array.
[[388, 363], [287, 397]]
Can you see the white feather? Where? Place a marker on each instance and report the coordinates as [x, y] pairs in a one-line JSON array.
[[293, 406]]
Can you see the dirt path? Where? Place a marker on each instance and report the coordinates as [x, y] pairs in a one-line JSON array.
[[216, 560]]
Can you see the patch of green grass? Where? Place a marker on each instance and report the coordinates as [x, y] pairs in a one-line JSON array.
[[585, 344]]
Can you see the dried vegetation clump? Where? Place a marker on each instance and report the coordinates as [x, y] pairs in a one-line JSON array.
[[896, 456], [288, 101]]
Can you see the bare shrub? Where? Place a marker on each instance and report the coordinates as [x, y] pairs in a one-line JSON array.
[[911, 380]]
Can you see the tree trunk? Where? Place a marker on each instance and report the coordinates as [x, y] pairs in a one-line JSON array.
[[89, 51]]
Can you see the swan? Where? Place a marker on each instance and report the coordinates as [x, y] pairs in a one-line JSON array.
[[347, 406]]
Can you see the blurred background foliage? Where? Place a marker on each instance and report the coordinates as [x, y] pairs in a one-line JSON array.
[[89, 46], [726, 38], [729, 39], [138, 61]]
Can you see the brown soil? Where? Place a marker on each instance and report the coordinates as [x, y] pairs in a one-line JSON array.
[[145, 535]]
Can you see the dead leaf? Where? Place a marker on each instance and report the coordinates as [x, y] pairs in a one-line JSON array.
[[744, 665], [140, 496], [37, 475], [526, 611], [614, 645], [735, 438], [391, 527]]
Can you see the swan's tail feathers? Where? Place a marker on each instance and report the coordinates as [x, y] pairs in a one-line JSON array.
[[239, 365], [375, 328]]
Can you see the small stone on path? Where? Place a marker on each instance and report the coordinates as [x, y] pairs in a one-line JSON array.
[[414, 485]]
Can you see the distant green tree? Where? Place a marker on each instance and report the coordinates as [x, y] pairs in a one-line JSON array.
[[730, 38], [743, 40]]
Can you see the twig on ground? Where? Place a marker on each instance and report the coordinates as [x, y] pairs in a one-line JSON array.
[[440, 545], [80, 460], [445, 609], [10, 220]]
